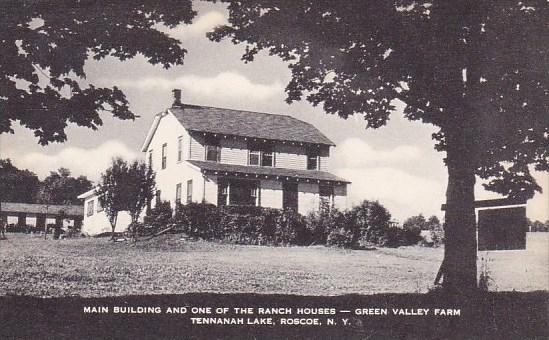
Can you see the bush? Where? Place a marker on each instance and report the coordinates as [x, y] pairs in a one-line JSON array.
[[321, 223], [369, 222], [432, 231], [158, 217], [340, 237], [365, 224]]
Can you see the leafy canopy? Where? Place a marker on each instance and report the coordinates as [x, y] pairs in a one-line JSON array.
[[476, 69], [126, 187], [45, 45], [17, 185], [62, 188]]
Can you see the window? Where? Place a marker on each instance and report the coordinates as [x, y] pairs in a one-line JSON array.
[[164, 157], [326, 196], [150, 159], [90, 208], [213, 153], [178, 193], [222, 192], [312, 160], [243, 192], [260, 155], [179, 148], [213, 150], [158, 196], [189, 191], [267, 158], [254, 157]]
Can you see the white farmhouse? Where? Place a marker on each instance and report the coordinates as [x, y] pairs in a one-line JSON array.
[[232, 157]]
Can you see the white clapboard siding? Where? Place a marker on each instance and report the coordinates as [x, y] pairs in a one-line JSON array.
[[196, 149], [234, 151], [291, 157]]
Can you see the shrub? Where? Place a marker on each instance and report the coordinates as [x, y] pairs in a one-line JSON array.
[[158, 217], [321, 223], [369, 222], [341, 237], [414, 226]]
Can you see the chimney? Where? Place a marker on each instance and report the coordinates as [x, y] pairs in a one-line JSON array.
[[177, 97]]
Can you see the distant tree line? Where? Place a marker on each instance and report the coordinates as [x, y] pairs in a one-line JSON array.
[[23, 186], [538, 226]]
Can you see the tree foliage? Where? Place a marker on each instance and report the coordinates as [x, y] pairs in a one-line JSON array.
[[17, 185], [126, 187], [61, 188], [45, 45], [478, 66], [475, 69]]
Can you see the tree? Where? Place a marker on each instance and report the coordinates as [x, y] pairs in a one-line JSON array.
[[45, 45], [125, 187], [415, 222], [475, 69], [111, 191], [140, 184], [370, 221], [17, 185], [61, 188]]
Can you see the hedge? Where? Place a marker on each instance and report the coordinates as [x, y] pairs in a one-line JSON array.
[[362, 226]]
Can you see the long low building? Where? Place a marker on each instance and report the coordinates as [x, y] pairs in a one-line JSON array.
[[41, 213]]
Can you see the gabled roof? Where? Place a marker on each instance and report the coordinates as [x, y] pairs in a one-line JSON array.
[[243, 123], [91, 192], [29, 208], [268, 171]]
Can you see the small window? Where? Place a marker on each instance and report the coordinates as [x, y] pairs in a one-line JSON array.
[[189, 191], [90, 207], [254, 158], [179, 148], [312, 160], [213, 150], [158, 196], [150, 159], [164, 155], [178, 193], [267, 157], [260, 155]]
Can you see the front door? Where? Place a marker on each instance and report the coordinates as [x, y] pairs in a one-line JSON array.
[[289, 196]]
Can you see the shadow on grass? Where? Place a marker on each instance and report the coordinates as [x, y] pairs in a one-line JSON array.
[[504, 315]]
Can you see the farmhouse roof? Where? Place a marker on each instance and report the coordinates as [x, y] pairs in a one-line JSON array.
[[267, 171], [29, 208], [243, 123]]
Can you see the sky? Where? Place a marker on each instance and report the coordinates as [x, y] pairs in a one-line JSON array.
[[395, 164]]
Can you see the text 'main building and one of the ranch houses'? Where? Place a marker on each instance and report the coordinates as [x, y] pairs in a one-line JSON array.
[[232, 157]]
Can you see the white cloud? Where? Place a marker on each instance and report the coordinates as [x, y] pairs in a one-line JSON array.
[[380, 175], [229, 84], [87, 162], [200, 25], [400, 192], [346, 153]]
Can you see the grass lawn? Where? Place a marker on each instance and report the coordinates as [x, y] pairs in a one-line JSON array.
[[91, 267]]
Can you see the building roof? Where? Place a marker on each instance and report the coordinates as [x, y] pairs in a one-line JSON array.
[[91, 192], [29, 208], [268, 171], [244, 123]]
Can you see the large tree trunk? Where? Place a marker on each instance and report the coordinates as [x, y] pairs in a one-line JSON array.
[[460, 254]]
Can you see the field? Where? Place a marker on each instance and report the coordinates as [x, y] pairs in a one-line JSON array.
[[95, 267]]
